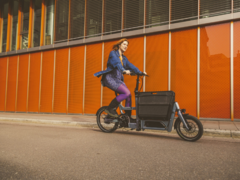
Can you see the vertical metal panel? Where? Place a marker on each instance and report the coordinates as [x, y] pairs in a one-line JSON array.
[[30, 24], [108, 94], [40, 83], [34, 82], [169, 60], [6, 89], [93, 85], [54, 78], [69, 19], [102, 70], [135, 45], [22, 83], [157, 62], [84, 76], [61, 77], [231, 70], [19, 25], [9, 26], [42, 23], [47, 80], [68, 78], [76, 82], [215, 71], [236, 65], [198, 73], [85, 19], [184, 68], [12, 82], [3, 83], [29, 65], [144, 62], [16, 93]]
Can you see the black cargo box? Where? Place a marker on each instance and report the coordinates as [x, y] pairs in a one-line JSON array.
[[156, 105]]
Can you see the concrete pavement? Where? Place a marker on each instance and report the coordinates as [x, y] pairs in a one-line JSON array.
[[211, 128]]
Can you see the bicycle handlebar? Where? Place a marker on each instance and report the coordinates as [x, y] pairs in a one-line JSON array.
[[134, 74]]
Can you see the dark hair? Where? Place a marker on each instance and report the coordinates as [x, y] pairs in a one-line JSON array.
[[116, 46]]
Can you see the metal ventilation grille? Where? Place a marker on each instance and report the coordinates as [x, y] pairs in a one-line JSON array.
[[77, 18], [184, 10], [133, 14], [62, 8], [214, 8], [112, 16], [236, 6], [94, 17], [157, 12]]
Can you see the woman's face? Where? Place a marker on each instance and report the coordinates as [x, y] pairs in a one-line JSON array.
[[123, 47]]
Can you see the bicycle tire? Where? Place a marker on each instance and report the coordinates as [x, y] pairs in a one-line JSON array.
[[195, 125], [107, 128]]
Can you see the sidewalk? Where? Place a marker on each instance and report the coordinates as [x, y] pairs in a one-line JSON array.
[[211, 128]]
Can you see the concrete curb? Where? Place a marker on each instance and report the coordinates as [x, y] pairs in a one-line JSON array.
[[207, 132]]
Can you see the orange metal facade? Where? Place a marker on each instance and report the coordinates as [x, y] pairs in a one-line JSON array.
[[184, 69], [236, 60], [157, 62], [47, 82], [92, 84], [34, 82], [75, 100], [215, 71], [3, 76], [22, 88], [61, 80]]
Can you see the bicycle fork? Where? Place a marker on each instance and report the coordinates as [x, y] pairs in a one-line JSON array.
[[181, 116]]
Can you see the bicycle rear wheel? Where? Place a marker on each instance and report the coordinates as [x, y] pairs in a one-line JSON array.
[[106, 123], [194, 133]]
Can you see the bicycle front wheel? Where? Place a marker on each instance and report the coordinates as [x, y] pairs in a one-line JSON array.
[[105, 123], [195, 131]]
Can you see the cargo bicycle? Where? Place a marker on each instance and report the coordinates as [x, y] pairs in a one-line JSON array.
[[155, 110]]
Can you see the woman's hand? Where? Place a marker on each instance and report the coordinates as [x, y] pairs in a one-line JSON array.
[[127, 72], [144, 73]]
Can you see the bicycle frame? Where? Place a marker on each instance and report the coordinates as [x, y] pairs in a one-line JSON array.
[[167, 124]]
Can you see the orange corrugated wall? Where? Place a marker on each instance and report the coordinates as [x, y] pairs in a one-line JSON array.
[[236, 69], [61, 80], [22, 83], [92, 83], [215, 71], [134, 53], [184, 69], [11, 89], [75, 98], [34, 80], [47, 82], [3, 75], [108, 94], [157, 62]]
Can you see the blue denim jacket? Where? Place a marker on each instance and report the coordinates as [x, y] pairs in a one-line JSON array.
[[114, 62]]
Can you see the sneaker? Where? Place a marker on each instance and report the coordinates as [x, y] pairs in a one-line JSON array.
[[111, 112]]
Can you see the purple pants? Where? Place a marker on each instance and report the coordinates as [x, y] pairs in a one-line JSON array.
[[124, 93]]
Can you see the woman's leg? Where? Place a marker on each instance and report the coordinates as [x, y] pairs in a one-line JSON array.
[[124, 93]]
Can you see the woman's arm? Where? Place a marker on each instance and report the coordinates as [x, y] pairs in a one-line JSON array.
[[130, 66]]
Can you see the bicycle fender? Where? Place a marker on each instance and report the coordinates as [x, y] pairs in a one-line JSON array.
[[178, 119]]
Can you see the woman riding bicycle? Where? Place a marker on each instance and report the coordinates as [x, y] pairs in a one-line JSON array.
[[112, 77]]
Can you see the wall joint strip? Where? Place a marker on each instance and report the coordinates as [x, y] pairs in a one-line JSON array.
[[198, 73], [144, 62], [54, 68], [169, 60], [232, 71], [69, 56], [84, 76], [16, 99], [40, 84], [29, 57], [6, 89], [101, 103]]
